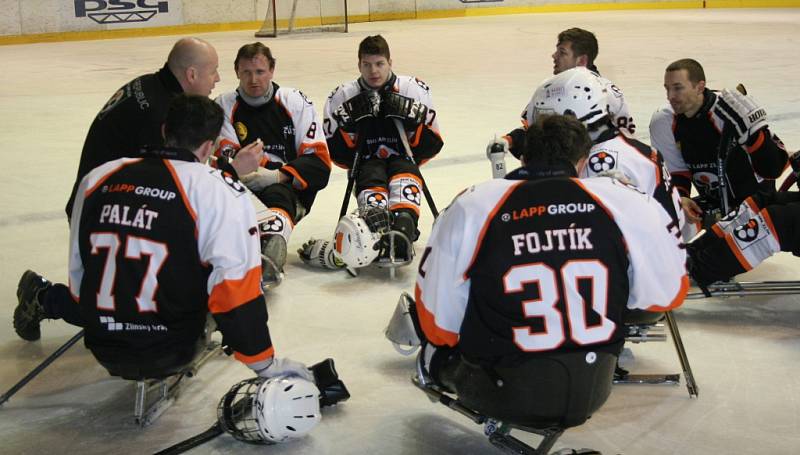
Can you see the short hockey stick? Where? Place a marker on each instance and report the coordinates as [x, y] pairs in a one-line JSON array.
[[404, 139], [35, 372]]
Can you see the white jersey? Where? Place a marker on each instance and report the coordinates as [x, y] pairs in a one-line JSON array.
[[641, 165], [504, 242]]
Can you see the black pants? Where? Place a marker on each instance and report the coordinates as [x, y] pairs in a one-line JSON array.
[[58, 304], [558, 389]]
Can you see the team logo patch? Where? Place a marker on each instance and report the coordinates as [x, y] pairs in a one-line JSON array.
[[232, 183], [411, 193], [241, 130], [273, 225], [377, 200], [747, 232], [602, 161], [705, 182]]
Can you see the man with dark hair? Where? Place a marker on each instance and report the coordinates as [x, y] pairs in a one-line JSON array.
[[689, 134], [156, 243], [576, 47], [361, 119], [536, 268], [295, 164]]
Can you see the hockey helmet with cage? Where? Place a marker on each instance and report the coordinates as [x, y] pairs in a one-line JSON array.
[[355, 243], [271, 410], [576, 91]]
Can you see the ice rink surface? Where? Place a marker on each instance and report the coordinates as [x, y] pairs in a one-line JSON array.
[[482, 71]]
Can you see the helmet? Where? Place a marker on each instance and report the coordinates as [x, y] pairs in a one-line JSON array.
[[271, 410], [287, 407], [356, 244], [576, 91]]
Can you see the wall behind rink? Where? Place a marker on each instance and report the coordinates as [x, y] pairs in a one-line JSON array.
[[25, 21]]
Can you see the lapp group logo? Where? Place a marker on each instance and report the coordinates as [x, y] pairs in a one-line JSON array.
[[120, 11]]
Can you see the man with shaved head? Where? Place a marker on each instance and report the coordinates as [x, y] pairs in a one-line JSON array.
[[133, 116]]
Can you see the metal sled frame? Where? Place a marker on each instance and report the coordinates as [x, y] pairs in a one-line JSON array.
[[748, 288], [496, 431], [642, 333], [154, 396], [391, 262]]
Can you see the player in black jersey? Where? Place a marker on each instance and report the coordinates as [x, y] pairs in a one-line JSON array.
[[156, 243], [133, 117], [689, 134], [294, 160], [540, 265]]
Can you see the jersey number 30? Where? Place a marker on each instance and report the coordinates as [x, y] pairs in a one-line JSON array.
[[553, 336], [135, 248]]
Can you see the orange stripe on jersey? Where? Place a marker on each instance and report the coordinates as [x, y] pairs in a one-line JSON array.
[[417, 135], [185, 198], [735, 249], [320, 150], [679, 297], [759, 142], [231, 294], [260, 357], [486, 225], [717, 230], [346, 137], [752, 204], [427, 321], [288, 168], [596, 199], [109, 174], [710, 116]]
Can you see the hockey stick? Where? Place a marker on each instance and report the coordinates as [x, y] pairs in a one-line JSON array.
[[194, 441], [353, 172], [64, 347], [404, 139], [726, 144]]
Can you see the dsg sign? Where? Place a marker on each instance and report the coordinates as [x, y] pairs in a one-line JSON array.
[[120, 11]]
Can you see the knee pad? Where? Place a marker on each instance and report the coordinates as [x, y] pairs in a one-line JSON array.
[[373, 197], [754, 241], [275, 221], [405, 192]]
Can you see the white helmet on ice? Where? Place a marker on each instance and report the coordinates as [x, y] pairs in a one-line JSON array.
[[576, 91], [268, 411], [357, 240]]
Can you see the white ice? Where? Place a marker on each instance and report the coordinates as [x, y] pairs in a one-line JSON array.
[[482, 72]]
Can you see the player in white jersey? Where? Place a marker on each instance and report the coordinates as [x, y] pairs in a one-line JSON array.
[[388, 121], [540, 267], [156, 243], [579, 92], [576, 47], [294, 165]]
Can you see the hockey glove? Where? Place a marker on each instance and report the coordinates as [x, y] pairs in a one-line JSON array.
[[286, 367], [740, 112], [364, 105], [412, 112], [320, 253]]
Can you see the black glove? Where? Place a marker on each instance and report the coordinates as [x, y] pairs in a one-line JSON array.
[[364, 105], [742, 113], [412, 112]]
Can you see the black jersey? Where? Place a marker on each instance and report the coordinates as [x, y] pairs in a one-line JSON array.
[[131, 119], [515, 268], [691, 145], [290, 130], [155, 244]]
